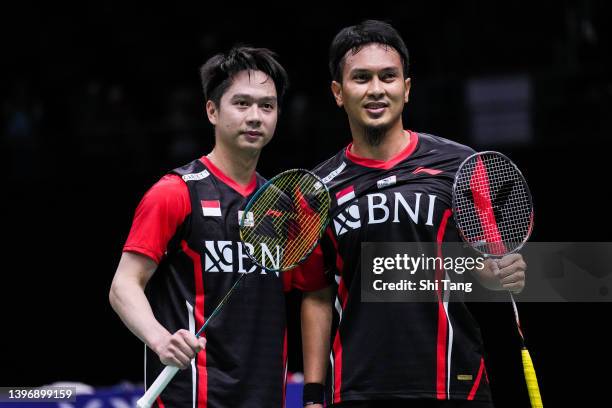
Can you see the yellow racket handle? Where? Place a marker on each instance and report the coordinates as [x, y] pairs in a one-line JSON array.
[[531, 379]]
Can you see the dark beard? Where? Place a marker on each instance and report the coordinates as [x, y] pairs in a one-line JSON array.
[[375, 134]]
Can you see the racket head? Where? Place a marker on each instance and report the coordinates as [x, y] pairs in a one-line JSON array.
[[492, 204], [286, 217]]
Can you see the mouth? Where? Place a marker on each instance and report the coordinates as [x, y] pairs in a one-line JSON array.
[[252, 135], [375, 108]]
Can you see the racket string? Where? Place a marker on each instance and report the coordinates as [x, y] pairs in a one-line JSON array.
[[492, 189], [289, 217]]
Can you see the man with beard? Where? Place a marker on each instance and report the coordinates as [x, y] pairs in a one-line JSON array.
[[389, 185]]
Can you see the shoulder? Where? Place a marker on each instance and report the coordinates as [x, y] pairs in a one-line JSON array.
[[169, 197], [193, 171], [164, 208], [261, 180], [440, 153], [444, 146], [170, 186], [332, 167]]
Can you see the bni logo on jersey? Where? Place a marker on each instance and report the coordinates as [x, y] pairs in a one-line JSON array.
[[231, 256], [349, 218]]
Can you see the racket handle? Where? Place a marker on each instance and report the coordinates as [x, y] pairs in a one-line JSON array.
[[532, 381], [157, 387]]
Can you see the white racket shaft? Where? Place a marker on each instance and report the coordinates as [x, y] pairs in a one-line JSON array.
[[160, 383], [157, 387]]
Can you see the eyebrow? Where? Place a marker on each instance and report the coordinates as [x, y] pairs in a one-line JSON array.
[[367, 71], [251, 98]]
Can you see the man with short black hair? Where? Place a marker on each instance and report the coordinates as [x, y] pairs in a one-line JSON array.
[[184, 253], [389, 354]]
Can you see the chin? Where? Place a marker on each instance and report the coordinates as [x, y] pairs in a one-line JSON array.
[[378, 123], [252, 147], [386, 121]]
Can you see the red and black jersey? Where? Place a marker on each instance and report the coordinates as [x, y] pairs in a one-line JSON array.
[[188, 223], [383, 351]]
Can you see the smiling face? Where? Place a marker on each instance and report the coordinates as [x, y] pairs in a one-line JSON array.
[[247, 113], [373, 89]]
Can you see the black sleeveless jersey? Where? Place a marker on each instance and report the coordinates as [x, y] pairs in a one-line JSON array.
[[244, 363], [397, 350]]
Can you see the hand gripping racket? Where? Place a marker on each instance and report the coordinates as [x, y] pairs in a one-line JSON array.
[[493, 210], [289, 213]]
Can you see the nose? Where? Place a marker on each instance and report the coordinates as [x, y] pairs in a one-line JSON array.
[[375, 88], [253, 116]]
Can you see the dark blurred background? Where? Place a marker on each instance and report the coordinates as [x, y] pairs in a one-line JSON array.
[[99, 101]]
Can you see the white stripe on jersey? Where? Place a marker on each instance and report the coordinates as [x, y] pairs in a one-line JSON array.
[[337, 302], [285, 380], [145, 369], [333, 380], [449, 350], [331, 354], [338, 308], [192, 329]]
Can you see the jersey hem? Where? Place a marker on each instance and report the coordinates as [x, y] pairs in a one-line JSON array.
[[143, 251], [312, 288]]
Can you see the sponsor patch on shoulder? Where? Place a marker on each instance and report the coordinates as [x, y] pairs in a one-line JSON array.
[[334, 173], [386, 182], [196, 176]]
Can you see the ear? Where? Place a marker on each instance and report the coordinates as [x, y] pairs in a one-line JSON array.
[[336, 89], [406, 90], [212, 112]]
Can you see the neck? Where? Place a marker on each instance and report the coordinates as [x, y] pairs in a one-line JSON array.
[[392, 142], [239, 166]]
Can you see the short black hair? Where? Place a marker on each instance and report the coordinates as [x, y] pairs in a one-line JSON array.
[[355, 37], [218, 72]]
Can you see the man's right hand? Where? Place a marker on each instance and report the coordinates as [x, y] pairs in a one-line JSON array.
[[180, 348]]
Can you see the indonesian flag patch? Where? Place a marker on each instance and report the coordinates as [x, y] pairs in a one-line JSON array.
[[345, 195], [211, 208]]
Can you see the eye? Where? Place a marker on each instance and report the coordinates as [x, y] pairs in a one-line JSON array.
[[361, 77], [241, 103], [268, 106], [389, 76]]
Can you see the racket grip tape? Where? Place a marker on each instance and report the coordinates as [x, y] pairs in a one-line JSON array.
[[157, 387], [532, 382]]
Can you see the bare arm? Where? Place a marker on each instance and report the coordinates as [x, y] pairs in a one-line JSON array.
[[316, 329], [129, 301]]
